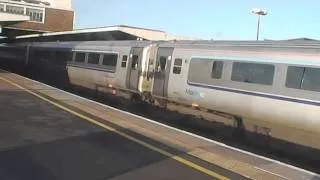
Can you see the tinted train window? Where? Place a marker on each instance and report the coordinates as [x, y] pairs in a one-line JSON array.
[[200, 70], [311, 80], [46, 55], [163, 63], [294, 77], [67, 55], [110, 59], [63, 56], [303, 78], [253, 73], [177, 66], [124, 61], [93, 58], [135, 61], [217, 68], [80, 57]]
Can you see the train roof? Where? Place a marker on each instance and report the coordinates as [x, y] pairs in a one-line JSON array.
[[91, 44], [184, 43], [268, 43]]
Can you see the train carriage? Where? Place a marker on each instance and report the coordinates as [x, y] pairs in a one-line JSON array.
[[269, 89]]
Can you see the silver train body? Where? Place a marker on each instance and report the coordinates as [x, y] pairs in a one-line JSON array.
[[266, 88]]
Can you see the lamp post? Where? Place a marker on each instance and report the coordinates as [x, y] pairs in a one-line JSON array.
[[259, 12]]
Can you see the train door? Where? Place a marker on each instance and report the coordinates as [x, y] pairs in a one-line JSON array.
[[162, 70], [134, 68]]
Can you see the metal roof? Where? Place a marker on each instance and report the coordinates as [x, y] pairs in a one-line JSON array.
[[119, 32]]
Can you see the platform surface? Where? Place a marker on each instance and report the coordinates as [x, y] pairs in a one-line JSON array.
[[41, 141]]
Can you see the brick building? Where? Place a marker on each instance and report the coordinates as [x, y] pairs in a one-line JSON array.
[[22, 17]]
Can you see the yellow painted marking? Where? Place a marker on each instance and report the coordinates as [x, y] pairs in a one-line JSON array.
[[149, 146]]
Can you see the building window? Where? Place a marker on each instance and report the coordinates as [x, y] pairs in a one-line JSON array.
[[14, 9], [253, 73], [303, 78], [217, 68], [177, 66], [35, 14]]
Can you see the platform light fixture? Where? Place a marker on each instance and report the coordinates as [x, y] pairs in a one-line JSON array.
[[259, 12]]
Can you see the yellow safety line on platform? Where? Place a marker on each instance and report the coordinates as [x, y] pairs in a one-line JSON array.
[[149, 146]]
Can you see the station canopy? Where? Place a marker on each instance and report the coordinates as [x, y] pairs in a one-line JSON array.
[[7, 19], [120, 32]]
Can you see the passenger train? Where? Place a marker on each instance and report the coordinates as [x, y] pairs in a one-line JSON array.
[[271, 88]]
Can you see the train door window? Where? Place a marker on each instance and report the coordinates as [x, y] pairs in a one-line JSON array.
[[80, 57], [135, 61], [124, 61], [162, 64], [217, 68], [93, 58], [253, 73], [177, 66]]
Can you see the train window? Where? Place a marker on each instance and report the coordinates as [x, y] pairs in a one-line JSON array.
[[80, 57], [200, 70], [93, 58], [45, 55], [110, 59], [163, 63], [217, 68], [68, 55], [178, 62], [311, 79], [124, 61], [177, 66], [135, 61], [303, 78], [253, 73], [294, 77], [176, 70], [63, 56]]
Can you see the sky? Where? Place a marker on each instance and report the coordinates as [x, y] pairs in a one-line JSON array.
[[206, 19]]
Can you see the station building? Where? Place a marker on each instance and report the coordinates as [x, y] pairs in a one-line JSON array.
[[22, 17]]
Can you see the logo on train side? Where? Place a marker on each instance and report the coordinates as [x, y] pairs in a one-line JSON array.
[[194, 93]]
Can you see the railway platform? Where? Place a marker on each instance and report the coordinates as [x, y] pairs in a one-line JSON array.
[[46, 133]]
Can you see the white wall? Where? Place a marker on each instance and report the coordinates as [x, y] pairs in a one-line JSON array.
[[60, 4]]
